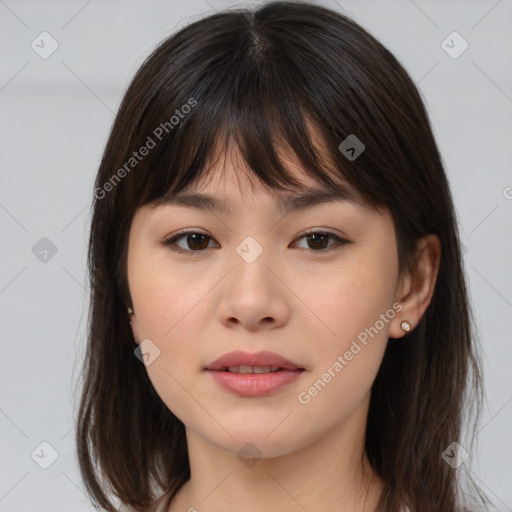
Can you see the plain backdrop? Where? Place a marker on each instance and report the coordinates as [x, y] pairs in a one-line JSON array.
[[56, 113]]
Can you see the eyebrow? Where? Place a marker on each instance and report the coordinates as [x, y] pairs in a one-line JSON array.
[[286, 203]]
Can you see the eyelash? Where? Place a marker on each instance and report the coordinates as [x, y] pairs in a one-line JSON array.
[[169, 242]]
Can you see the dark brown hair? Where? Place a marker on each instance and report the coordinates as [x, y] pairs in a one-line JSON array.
[[257, 77]]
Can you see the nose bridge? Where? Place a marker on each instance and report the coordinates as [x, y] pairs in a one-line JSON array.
[[253, 234], [252, 260], [252, 296]]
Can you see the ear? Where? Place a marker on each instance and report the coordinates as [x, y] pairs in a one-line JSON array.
[[415, 289], [134, 325]]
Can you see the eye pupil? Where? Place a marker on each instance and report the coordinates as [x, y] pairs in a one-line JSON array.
[[315, 239], [193, 237]]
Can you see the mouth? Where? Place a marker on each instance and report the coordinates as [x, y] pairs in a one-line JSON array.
[[253, 374], [258, 362], [244, 369]]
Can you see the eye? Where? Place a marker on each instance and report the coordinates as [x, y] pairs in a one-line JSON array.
[[198, 241], [195, 240], [316, 240]]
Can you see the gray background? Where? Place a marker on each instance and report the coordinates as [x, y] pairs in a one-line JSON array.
[[55, 117]]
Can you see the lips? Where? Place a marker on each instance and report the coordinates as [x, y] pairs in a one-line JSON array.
[[253, 375], [246, 362]]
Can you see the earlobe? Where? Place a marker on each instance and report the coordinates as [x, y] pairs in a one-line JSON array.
[[401, 326], [418, 286]]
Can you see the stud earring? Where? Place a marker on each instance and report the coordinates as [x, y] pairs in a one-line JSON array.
[[406, 326]]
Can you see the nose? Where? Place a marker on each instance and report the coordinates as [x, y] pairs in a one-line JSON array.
[[253, 295]]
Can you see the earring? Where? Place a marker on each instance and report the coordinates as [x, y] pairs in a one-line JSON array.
[[130, 311], [406, 326]]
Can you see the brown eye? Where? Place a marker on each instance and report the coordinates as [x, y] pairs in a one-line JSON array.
[[317, 241], [194, 240]]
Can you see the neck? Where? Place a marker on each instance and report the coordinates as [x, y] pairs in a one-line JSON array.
[[330, 472]]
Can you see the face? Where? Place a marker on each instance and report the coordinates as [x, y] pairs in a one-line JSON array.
[[251, 280]]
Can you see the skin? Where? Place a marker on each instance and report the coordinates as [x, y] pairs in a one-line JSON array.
[[294, 299]]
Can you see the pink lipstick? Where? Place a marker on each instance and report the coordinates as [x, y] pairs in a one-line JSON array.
[[253, 374]]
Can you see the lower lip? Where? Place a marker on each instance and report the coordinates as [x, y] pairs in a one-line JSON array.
[[254, 384]]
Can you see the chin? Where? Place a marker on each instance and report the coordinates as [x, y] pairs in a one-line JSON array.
[[257, 442], [251, 449]]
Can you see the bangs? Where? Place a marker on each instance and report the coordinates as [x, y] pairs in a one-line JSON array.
[[269, 136]]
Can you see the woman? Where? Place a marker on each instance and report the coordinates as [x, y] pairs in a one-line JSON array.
[[279, 318]]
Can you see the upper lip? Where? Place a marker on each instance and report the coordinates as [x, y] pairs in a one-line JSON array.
[[264, 358]]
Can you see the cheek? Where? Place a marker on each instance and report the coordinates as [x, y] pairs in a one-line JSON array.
[[354, 308], [170, 309], [350, 300], [167, 300]]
